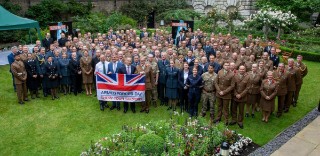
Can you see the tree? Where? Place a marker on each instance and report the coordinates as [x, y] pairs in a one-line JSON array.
[[13, 8], [56, 10], [180, 14], [139, 10], [269, 17], [303, 9]]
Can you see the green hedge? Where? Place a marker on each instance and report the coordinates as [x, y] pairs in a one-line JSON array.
[[310, 56]]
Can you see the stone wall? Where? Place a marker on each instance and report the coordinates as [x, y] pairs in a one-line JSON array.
[[204, 6]]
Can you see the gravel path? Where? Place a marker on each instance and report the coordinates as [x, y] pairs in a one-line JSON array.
[[286, 135]]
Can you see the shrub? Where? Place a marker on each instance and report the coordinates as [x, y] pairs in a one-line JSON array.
[[150, 144], [310, 56], [117, 19]]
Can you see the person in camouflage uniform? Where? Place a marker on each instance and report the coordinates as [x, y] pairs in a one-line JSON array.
[[208, 91]]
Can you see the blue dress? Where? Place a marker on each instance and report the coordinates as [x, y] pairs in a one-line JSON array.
[[172, 83], [64, 71]]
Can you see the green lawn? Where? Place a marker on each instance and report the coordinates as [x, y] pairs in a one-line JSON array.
[[66, 126]]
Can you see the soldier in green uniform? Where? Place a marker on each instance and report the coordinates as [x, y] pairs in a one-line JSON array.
[[208, 91]]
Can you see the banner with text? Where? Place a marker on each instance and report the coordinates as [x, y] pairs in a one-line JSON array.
[[120, 87]]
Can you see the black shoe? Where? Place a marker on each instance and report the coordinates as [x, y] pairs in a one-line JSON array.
[[203, 114], [286, 110], [247, 115], [232, 123], [37, 96], [147, 111], [169, 108], [112, 107], [174, 109], [134, 111], [217, 120], [142, 111], [65, 93], [125, 111], [252, 115], [75, 94], [118, 108], [101, 107], [53, 98], [294, 104], [278, 115], [57, 97], [241, 126], [45, 94], [106, 106], [32, 97], [26, 99], [21, 103], [161, 104]]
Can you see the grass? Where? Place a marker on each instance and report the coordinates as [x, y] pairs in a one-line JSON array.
[[66, 126]]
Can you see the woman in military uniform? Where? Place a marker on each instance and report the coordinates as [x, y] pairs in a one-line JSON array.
[[172, 85], [194, 83], [52, 73], [87, 72], [33, 71], [268, 90], [65, 74]]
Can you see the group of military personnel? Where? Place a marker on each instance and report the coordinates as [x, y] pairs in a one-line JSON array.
[[182, 71]]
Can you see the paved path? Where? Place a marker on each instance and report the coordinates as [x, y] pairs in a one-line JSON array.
[[4, 54], [3, 57], [306, 142]]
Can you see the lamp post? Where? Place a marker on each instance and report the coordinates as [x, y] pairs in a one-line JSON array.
[[224, 149]]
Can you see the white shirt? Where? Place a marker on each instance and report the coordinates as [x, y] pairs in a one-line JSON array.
[[99, 67], [185, 76]]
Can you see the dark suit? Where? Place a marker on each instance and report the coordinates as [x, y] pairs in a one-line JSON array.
[[275, 59], [74, 67], [191, 63], [115, 104], [123, 70], [46, 43], [183, 93], [62, 42], [200, 70], [162, 79], [267, 49], [180, 38], [209, 51], [11, 60], [216, 66]]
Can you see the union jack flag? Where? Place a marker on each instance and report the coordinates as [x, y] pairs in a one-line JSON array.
[[120, 82]]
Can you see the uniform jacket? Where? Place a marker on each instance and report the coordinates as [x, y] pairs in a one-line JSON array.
[[241, 87], [172, 77], [19, 72], [254, 82], [282, 79], [149, 78], [293, 78], [162, 71], [209, 81], [224, 83]]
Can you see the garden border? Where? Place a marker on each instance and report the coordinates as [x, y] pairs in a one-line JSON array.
[[286, 135]]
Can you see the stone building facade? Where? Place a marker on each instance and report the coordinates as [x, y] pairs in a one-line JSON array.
[[246, 7]]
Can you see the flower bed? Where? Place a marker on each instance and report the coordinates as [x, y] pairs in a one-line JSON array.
[[178, 136]]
